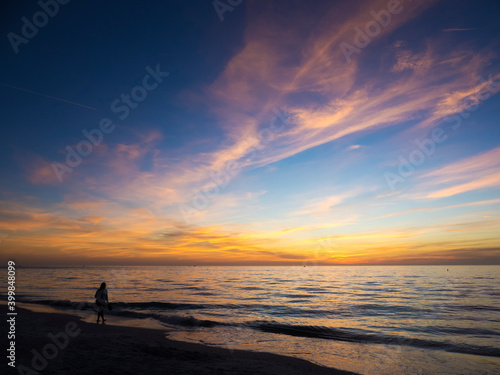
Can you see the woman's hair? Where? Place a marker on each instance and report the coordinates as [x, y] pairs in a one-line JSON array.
[[103, 285]]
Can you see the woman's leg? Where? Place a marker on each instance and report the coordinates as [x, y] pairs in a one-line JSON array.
[[100, 313]]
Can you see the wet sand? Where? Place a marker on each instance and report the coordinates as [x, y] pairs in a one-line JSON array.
[[110, 349]]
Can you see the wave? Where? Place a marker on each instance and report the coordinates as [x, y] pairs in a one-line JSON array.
[[339, 335], [471, 308], [139, 310], [389, 309], [190, 321], [122, 305], [154, 310], [453, 330], [295, 295]]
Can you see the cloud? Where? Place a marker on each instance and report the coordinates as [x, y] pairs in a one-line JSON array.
[[353, 147], [406, 60], [123, 234], [324, 206], [437, 208], [243, 97], [463, 29], [38, 171], [481, 171], [279, 63], [302, 68]]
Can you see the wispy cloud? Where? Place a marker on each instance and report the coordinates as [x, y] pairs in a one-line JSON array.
[[353, 147], [462, 29], [437, 208], [481, 171], [48, 96], [325, 205]]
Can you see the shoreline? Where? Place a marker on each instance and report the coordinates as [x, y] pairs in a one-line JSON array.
[[62, 343]]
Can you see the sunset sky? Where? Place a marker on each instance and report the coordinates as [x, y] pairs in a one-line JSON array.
[[268, 132]]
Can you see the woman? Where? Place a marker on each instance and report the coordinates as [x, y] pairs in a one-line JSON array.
[[101, 298]]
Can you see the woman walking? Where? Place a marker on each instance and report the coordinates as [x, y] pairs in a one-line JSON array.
[[101, 299]]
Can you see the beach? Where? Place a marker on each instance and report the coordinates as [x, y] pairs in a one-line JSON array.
[[110, 349]]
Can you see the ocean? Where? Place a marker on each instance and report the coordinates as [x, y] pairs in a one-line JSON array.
[[366, 319]]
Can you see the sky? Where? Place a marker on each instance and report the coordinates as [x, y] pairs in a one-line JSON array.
[[252, 132]]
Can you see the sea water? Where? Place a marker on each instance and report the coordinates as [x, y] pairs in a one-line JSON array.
[[366, 319]]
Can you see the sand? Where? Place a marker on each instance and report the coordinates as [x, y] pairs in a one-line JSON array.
[[109, 349]]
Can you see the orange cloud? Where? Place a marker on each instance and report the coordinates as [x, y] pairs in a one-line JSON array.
[[39, 171]]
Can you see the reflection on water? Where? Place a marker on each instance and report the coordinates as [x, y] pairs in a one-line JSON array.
[[387, 318]]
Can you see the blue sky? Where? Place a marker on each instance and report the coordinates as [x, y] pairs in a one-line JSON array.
[[264, 143]]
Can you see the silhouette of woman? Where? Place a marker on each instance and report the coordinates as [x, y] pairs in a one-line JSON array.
[[101, 298]]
